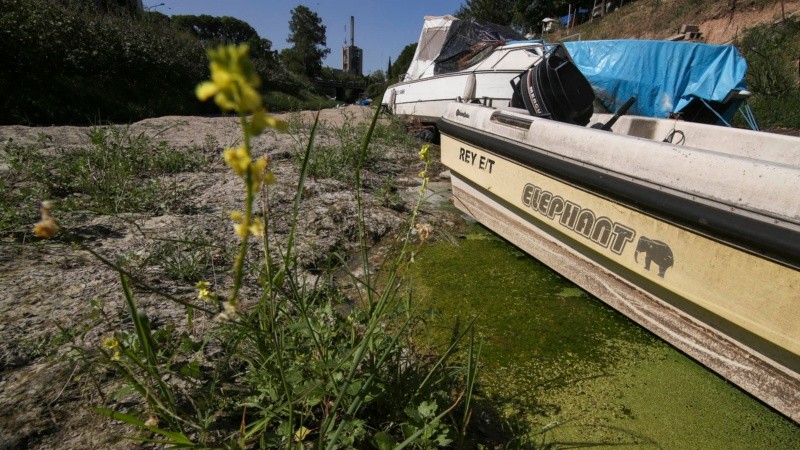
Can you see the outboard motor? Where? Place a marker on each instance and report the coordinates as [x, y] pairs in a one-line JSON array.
[[554, 88]]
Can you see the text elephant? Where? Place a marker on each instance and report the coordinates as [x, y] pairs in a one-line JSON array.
[[654, 251]]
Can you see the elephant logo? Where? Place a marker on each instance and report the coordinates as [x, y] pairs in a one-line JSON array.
[[654, 251]]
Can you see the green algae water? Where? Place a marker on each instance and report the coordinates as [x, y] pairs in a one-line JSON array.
[[572, 371]]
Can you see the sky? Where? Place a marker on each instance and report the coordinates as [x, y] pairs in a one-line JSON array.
[[382, 27]]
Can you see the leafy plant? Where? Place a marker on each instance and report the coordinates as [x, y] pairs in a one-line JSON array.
[[17, 207], [339, 150], [189, 259], [769, 49], [111, 66]]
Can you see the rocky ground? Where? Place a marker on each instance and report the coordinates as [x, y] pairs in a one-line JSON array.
[[48, 288]]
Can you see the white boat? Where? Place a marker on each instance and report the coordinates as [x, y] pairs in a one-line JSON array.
[[691, 230], [479, 67], [474, 61]]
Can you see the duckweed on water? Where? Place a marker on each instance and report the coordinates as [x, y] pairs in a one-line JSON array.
[[554, 354]]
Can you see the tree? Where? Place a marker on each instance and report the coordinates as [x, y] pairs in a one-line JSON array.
[[376, 84], [217, 30], [213, 31], [226, 30], [500, 12], [376, 77], [307, 33], [523, 15], [131, 6], [403, 61]]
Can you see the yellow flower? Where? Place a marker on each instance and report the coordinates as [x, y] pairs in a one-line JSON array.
[[423, 153], [204, 294], [234, 81], [228, 312], [243, 228], [47, 227], [238, 159], [240, 224], [301, 433], [262, 120], [259, 174], [202, 290], [256, 228], [240, 229], [112, 344]]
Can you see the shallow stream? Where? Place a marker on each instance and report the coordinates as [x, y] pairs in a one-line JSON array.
[[559, 362]]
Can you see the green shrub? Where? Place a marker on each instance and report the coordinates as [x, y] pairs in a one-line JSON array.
[[191, 258], [771, 51], [777, 112], [67, 63]]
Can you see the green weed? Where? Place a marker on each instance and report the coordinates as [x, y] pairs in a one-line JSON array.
[[338, 152], [192, 258], [777, 112], [387, 194], [118, 172], [17, 208]]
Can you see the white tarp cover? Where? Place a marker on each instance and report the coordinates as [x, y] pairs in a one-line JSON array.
[[434, 32]]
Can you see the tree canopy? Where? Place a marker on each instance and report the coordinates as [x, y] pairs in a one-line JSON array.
[[500, 12], [523, 15], [225, 30], [307, 34], [217, 29], [403, 61]]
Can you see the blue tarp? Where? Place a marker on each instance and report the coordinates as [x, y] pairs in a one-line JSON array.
[[564, 20], [664, 76]]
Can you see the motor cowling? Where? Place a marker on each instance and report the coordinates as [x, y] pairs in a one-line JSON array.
[[554, 88]]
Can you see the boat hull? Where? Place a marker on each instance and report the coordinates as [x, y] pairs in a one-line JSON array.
[[488, 82], [427, 99], [729, 307]]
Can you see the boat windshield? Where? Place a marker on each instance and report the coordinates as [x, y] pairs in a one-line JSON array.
[[469, 42]]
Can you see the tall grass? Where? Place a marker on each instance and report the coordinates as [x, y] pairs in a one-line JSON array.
[[338, 151]]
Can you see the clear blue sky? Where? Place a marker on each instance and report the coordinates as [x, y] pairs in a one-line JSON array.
[[383, 27]]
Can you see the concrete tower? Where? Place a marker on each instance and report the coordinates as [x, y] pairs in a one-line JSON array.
[[352, 56]]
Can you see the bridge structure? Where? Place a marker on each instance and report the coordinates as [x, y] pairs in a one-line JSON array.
[[339, 87]]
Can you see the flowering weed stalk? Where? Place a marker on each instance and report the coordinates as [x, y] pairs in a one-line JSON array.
[[234, 86]]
